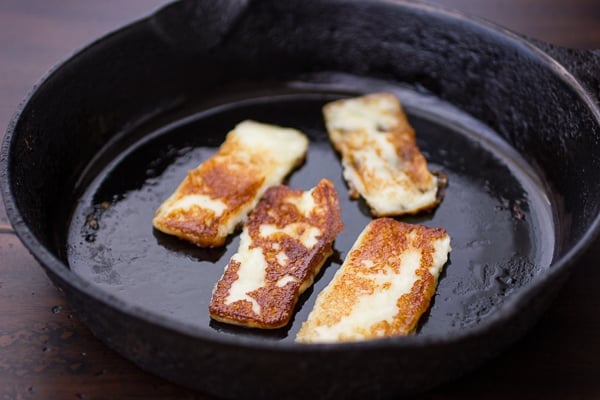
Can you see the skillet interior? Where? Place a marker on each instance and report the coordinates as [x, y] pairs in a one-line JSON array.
[[495, 209], [195, 55]]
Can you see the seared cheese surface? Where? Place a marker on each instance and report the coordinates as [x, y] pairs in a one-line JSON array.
[[383, 287], [380, 157], [283, 245], [216, 196]]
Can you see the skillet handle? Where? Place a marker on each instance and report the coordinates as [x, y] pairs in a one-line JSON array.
[[197, 26], [582, 64]]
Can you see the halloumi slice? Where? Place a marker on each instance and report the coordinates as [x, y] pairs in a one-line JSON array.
[[380, 158], [284, 243], [216, 196], [383, 287]]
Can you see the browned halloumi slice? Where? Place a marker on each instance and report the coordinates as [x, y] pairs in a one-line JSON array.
[[283, 245], [380, 158], [216, 196], [383, 287]]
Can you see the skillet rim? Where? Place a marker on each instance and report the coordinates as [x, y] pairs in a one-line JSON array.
[[497, 317]]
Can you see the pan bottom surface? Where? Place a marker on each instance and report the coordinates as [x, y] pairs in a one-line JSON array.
[[495, 209]]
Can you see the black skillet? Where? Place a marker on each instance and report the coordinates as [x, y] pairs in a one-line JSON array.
[[106, 136]]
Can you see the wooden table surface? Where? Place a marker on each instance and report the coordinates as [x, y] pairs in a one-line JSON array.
[[46, 353]]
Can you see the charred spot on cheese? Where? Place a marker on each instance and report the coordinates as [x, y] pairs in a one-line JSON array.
[[284, 243], [383, 287], [380, 158], [216, 196]]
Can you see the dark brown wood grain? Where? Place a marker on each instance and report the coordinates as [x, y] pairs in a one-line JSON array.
[[46, 353]]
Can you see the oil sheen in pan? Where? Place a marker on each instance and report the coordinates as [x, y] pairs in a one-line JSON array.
[[495, 209]]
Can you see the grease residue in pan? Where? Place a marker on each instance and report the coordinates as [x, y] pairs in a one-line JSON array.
[[496, 210]]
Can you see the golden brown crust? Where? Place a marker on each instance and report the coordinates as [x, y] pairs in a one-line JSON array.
[[234, 182], [379, 252], [400, 135], [408, 172], [235, 176], [275, 300]]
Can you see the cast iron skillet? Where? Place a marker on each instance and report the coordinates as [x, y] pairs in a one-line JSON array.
[[109, 134]]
